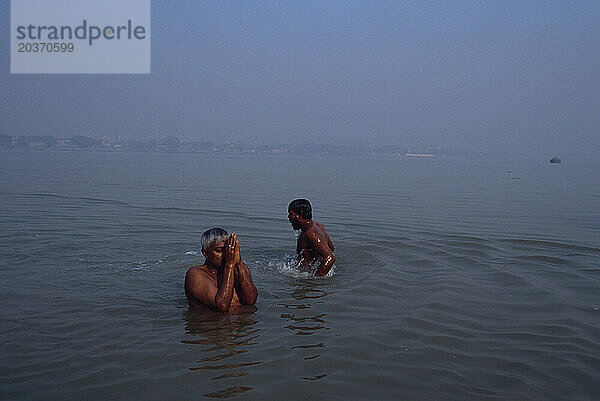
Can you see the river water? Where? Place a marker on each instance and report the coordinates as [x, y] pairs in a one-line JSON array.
[[454, 280]]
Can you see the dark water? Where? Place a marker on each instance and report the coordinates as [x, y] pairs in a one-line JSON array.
[[454, 279]]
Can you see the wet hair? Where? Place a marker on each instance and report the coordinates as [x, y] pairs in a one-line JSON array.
[[302, 208], [211, 237]]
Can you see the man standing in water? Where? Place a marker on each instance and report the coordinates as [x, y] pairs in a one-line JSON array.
[[223, 282], [313, 243]]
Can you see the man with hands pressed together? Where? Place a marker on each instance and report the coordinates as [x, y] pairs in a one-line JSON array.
[[223, 282]]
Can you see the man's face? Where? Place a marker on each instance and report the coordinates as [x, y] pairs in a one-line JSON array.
[[294, 219], [214, 256]]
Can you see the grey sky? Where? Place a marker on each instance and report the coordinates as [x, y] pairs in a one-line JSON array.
[[493, 76]]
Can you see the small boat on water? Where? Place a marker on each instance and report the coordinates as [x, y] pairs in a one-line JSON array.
[[555, 159], [420, 155]]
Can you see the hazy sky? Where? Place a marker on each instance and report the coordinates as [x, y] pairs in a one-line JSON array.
[[513, 76]]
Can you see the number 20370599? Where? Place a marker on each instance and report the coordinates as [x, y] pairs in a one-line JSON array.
[[44, 47]]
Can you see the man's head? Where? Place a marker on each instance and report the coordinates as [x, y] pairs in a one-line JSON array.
[[212, 242], [299, 211]]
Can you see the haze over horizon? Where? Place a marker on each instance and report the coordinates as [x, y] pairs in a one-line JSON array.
[[486, 76]]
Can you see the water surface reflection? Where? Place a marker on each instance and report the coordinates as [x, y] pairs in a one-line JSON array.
[[223, 341], [304, 319]]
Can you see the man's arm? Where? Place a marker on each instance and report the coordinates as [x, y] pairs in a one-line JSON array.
[[327, 237], [225, 293], [244, 286], [320, 245], [226, 281]]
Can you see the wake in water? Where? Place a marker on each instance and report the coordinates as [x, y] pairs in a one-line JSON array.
[[286, 265], [289, 266]]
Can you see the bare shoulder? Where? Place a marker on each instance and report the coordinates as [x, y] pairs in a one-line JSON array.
[[321, 227], [194, 270], [196, 275], [325, 235], [315, 233], [317, 229]]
